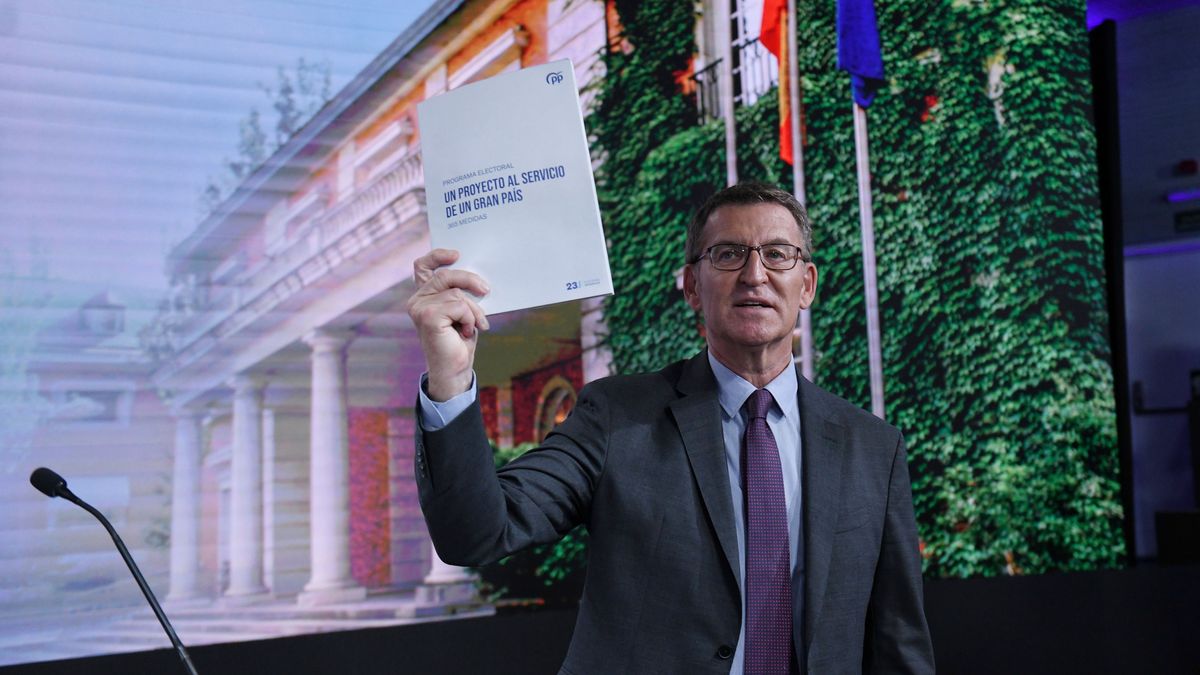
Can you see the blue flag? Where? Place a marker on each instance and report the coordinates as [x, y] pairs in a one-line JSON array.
[[858, 48]]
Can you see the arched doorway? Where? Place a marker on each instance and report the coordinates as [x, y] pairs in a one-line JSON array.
[[554, 404]]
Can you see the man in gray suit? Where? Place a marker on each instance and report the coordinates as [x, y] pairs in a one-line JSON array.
[[741, 519]]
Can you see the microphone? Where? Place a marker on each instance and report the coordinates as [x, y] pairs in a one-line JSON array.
[[53, 485], [50, 483]]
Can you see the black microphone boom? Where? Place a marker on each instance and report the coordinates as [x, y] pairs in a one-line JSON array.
[[52, 485]]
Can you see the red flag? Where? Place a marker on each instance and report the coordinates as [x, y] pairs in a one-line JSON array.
[[773, 36]]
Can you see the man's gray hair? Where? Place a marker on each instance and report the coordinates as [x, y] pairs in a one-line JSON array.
[[746, 194]]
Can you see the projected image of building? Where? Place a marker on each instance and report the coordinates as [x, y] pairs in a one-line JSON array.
[[292, 340], [261, 428]]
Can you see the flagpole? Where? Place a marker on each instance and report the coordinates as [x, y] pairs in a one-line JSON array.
[[798, 189], [725, 91], [866, 218]]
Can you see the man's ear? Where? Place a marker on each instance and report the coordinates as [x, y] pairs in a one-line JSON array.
[[690, 292], [810, 286]]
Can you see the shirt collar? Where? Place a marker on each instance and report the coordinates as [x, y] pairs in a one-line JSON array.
[[733, 389]]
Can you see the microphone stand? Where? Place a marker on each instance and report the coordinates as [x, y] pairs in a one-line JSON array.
[[62, 491]]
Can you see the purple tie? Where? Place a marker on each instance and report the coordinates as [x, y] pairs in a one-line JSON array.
[[768, 564]]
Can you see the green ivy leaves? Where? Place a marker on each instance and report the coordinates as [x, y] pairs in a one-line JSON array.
[[988, 240]]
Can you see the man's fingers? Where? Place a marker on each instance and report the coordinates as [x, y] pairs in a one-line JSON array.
[[467, 315], [451, 307], [464, 314], [424, 267], [445, 279], [446, 298], [480, 318], [431, 277]]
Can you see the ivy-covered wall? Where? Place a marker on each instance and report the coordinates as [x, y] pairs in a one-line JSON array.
[[988, 239]]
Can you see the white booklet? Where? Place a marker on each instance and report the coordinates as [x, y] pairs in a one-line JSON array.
[[508, 183]]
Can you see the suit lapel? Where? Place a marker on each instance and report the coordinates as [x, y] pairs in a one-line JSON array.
[[698, 414], [822, 454]]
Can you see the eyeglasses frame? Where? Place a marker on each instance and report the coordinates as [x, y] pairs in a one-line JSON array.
[[758, 249]]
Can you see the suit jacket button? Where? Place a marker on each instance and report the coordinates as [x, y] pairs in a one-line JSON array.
[[724, 652]]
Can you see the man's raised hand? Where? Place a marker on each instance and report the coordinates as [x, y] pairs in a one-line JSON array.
[[448, 320]]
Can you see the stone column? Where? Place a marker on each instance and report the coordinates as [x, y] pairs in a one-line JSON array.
[[597, 357], [446, 589], [268, 487], [185, 508], [329, 543], [441, 572], [246, 499]]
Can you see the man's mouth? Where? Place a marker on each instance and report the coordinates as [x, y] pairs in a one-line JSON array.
[[751, 303]]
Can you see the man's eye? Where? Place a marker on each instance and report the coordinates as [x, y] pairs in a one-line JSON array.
[[727, 254], [775, 254]]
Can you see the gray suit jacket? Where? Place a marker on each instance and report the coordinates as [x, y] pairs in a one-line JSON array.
[[641, 462]]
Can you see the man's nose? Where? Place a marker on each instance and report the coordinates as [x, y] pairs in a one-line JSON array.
[[753, 272]]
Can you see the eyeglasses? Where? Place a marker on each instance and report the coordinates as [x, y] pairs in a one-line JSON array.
[[733, 257]]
